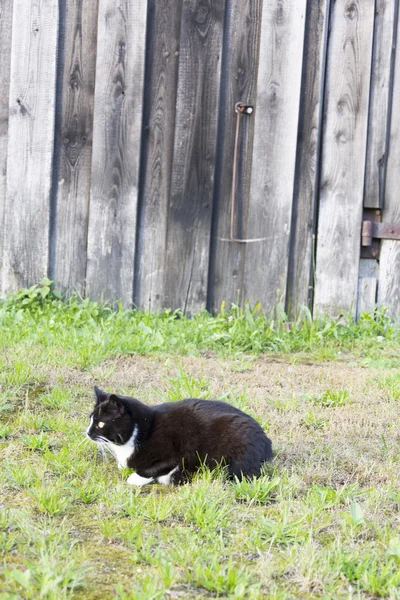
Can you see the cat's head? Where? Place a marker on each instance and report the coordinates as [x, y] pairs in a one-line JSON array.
[[110, 420]]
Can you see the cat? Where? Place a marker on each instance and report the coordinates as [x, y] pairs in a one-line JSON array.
[[167, 443]]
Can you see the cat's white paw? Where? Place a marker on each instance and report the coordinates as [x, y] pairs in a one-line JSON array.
[[135, 479], [166, 479]]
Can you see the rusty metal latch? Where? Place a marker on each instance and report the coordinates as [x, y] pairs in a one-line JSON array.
[[241, 109], [381, 231]]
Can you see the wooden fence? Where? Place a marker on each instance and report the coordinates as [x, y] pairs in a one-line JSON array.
[[117, 142]]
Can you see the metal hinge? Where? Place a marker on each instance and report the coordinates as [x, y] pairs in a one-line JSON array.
[[373, 231]]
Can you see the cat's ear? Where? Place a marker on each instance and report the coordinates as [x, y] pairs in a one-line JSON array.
[[100, 395], [117, 403]]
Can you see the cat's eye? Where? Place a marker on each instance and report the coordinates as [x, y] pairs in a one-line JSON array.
[[101, 425]]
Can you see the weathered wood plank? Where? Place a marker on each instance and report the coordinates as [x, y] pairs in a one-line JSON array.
[[164, 29], [379, 102], [30, 142], [301, 260], [5, 62], [367, 286], [344, 148], [189, 214], [389, 276], [73, 141], [274, 157], [239, 80], [116, 149]]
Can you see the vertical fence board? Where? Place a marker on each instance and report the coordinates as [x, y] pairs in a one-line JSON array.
[[239, 80], [74, 124], [344, 146], [159, 118], [116, 149], [389, 278], [379, 102], [30, 142], [189, 214], [274, 157], [5, 61], [301, 259], [367, 286]]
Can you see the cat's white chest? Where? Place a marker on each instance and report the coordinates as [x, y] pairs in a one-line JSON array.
[[123, 453]]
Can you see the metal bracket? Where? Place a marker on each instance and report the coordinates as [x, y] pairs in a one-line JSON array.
[[373, 231], [244, 109], [380, 231]]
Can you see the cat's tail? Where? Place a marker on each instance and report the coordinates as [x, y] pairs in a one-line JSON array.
[[250, 465], [267, 453]]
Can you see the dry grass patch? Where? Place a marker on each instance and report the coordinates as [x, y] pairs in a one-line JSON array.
[[322, 521]]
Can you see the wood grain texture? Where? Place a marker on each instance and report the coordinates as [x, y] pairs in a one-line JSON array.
[[189, 213], [5, 62], [344, 146], [379, 102], [116, 149], [239, 81], [389, 277], [301, 259], [274, 157], [367, 286], [73, 140], [164, 26], [30, 142]]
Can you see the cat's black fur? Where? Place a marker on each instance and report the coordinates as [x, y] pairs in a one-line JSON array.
[[181, 434]]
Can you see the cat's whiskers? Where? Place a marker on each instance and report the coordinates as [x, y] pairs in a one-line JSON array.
[[85, 439], [110, 450], [100, 438], [105, 445], [102, 449]]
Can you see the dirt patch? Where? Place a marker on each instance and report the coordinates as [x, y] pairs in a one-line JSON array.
[[261, 377]]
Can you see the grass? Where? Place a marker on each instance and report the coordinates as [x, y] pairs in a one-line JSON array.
[[82, 333], [331, 398], [321, 522]]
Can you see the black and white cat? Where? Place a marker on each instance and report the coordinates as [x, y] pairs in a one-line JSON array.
[[167, 443]]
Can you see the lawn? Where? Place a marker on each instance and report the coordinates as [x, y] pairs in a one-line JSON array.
[[322, 522]]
